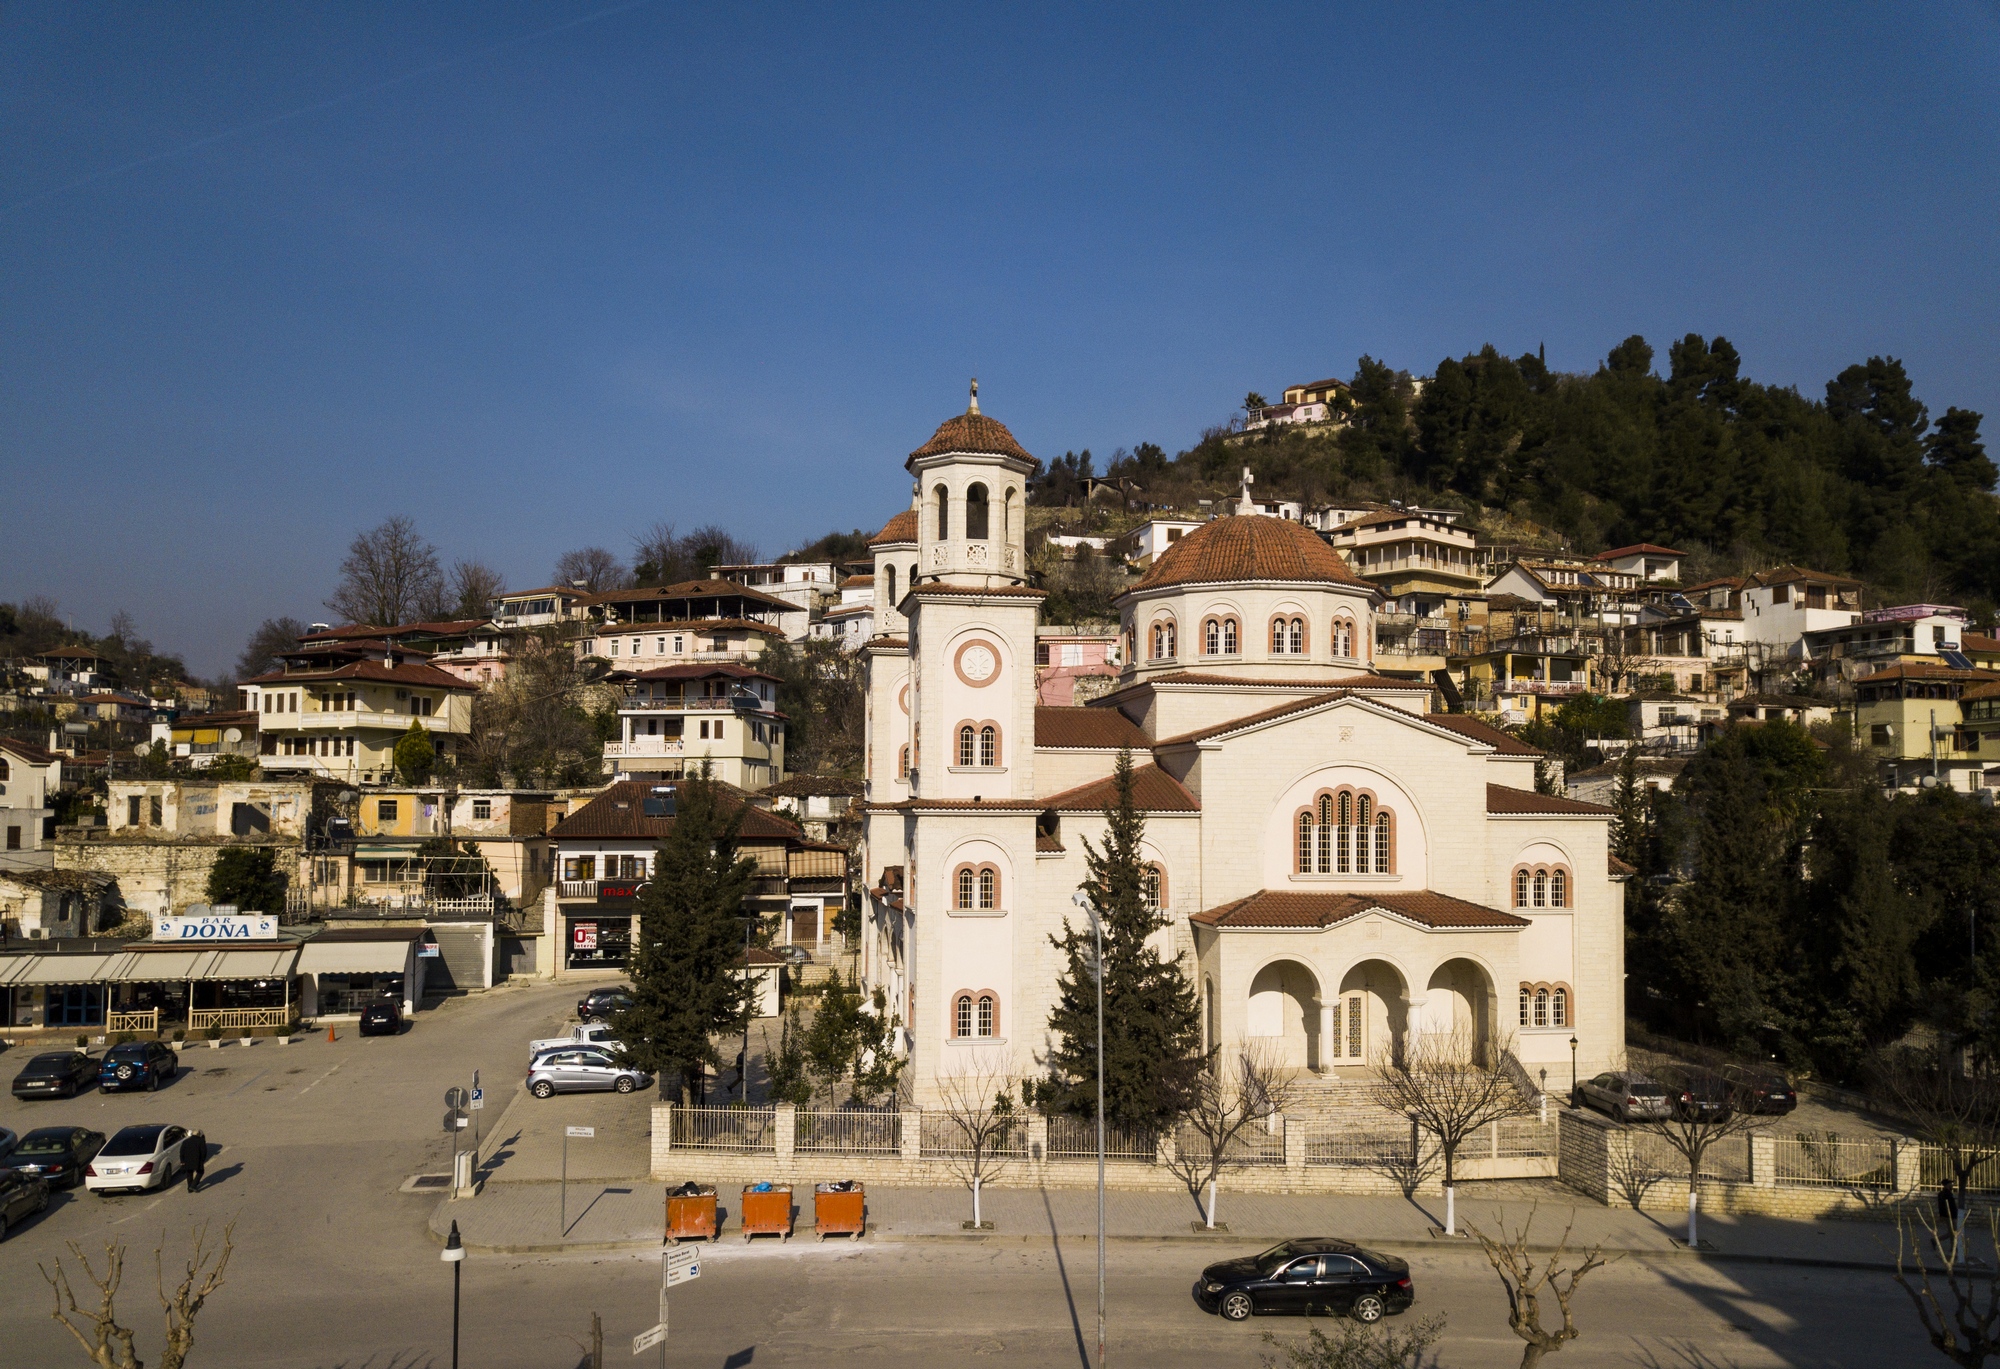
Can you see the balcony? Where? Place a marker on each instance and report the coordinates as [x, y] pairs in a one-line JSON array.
[[1540, 687], [360, 717], [642, 746], [748, 704]]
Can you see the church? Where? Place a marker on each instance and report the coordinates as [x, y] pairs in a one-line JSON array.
[[1341, 866]]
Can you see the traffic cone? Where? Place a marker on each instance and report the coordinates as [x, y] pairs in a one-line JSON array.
[[329, 1033]]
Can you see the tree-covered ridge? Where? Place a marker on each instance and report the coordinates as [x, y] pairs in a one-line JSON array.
[[1739, 473]]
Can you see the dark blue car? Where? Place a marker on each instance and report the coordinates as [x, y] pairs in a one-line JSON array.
[[137, 1065]]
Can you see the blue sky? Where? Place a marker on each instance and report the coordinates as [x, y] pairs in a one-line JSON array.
[[538, 275]]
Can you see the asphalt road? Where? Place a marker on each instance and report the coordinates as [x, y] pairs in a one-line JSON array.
[[333, 1266]]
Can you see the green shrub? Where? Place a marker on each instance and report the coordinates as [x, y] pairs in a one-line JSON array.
[[213, 1033]]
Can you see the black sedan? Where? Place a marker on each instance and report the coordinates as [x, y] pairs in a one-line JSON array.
[[1762, 1091], [383, 1018], [55, 1154], [21, 1197], [138, 1065], [599, 1004], [59, 1074], [1308, 1277]]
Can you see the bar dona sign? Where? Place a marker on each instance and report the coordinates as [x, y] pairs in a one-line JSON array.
[[220, 923]]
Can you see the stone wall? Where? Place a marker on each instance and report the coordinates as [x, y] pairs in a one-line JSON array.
[[158, 877]]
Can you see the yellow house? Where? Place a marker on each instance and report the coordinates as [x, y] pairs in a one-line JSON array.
[[1909, 718], [344, 721]]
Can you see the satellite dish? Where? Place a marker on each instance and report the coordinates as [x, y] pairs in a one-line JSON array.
[[143, 749], [233, 735]]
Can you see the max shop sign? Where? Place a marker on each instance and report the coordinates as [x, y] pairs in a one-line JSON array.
[[217, 927], [625, 890]]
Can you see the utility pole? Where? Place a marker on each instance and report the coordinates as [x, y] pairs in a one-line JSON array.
[[1083, 901]]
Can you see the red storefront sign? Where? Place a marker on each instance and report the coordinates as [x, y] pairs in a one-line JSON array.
[[583, 936]]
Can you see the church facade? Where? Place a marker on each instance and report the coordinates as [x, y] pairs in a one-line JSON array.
[[1341, 866]]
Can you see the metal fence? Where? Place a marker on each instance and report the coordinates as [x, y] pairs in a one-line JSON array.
[[1934, 1167], [1256, 1144], [1375, 1148], [1726, 1161], [1075, 1138], [943, 1137], [1828, 1161], [750, 1129], [1517, 1138], [848, 1132]]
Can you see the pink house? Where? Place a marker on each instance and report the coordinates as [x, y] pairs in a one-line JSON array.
[[1065, 655]]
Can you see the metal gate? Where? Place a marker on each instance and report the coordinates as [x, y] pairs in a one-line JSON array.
[[462, 959]]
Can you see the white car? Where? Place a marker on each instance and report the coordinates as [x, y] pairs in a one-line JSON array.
[[136, 1159], [597, 1034]]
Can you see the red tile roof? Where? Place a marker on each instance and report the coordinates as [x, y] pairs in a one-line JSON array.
[[29, 752], [1636, 549], [687, 589], [1921, 670], [1482, 732], [693, 672], [1241, 547], [1501, 798], [618, 814], [1290, 908], [902, 528], [1153, 791], [1105, 728], [925, 588], [1619, 869], [422, 676], [971, 432]]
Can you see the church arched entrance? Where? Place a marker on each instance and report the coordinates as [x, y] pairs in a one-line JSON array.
[[1283, 1007], [1459, 1003], [1369, 1016]]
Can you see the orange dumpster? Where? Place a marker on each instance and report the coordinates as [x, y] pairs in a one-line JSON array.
[[840, 1209], [691, 1213], [768, 1213]]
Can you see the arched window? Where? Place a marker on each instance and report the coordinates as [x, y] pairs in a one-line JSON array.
[[1527, 998], [1296, 636], [983, 1017], [1559, 1007], [1211, 637], [1163, 639], [966, 884], [1521, 878], [975, 513], [989, 888], [1558, 889], [1153, 887], [903, 761], [965, 745], [891, 601], [1541, 888], [975, 1014], [963, 1014], [943, 514], [1229, 634], [989, 745], [1277, 636], [1343, 639], [1344, 833], [1541, 1007], [976, 888]]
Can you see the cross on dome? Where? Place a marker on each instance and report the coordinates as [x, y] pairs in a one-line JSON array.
[[973, 407]]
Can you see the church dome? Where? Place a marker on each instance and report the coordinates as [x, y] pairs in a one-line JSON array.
[[1249, 546], [972, 432]]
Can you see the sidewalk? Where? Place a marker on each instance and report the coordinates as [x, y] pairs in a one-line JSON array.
[[519, 1218]]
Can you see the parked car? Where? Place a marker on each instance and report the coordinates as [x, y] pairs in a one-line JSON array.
[[1702, 1097], [578, 1071], [1626, 1095], [55, 1154], [583, 1034], [1309, 1277], [599, 1004], [382, 1018], [138, 1065], [21, 1197], [138, 1158], [793, 955], [59, 1074], [1758, 1090]]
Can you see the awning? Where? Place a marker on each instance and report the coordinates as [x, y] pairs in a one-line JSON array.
[[355, 957], [14, 966], [265, 963], [365, 849], [63, 969], [141, 967]]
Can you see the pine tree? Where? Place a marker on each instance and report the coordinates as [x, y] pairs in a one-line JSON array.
[[1629, 826], [1152, 1023], [685, 988]]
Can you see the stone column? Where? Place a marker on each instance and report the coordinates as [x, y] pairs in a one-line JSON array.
[[784, 1129], [549, 965], [1329, 1047], [1764, 1160], [1909, 1165], [913, 1135], [1295, 1150]]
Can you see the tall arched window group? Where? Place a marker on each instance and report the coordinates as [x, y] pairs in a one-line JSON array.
[[976, 888], [975, 1013], [978, 745], [1344, 832], [1163, 645], [1288, 636], [1219, 637], [1343, 639], [977, 521], [1541, 886], [1546, 1005]]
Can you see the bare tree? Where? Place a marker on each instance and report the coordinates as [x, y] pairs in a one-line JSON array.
[[474, 585], [1702, 1109], [1526, 1282], [539, 724], [1441, 1082], [1949, 1108], [105, 1342], [1356, 1345], [591, 569], [663, 556], [265, 650], [983, 1125], [1213, 1105], [1963, 1319], [389, 573]]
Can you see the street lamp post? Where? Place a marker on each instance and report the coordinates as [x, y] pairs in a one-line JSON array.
[[454, 1255], [1082, 901], [1572, 1071]]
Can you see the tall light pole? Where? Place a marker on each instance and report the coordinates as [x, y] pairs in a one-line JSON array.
[[454, 1255], [1082, 900]]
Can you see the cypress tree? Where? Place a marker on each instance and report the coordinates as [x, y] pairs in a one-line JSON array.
[[684, 986], [1152, 1023]]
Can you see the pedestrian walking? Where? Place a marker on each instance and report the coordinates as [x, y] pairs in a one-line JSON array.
[[194, 1158], [1948, 1214]]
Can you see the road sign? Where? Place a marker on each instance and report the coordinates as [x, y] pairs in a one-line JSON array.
[[650, 1337], [581, 1133], [454, 1098], [681, 1256], [478, 1097], [674, 1276], [454, 1120]]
